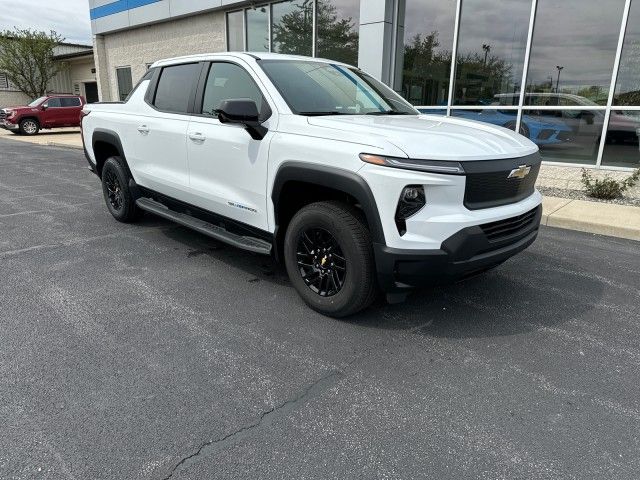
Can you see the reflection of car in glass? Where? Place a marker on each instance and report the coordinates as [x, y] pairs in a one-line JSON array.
[[622, 126], [542, 131]]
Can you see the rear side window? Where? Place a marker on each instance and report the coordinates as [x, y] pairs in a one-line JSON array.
[[229, 81], [70, 102], [174, 87]]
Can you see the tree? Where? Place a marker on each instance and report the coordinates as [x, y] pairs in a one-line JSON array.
[[26, 57], [337, 37]]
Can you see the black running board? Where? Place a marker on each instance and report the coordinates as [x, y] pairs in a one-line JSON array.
[[251, 244]]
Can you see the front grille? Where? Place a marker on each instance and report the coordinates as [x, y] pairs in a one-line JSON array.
[[496, 231], [3, 115], [488, 184]]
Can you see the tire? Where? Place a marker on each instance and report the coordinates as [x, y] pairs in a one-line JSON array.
[[29, 126], [115, 188], [346, 269]]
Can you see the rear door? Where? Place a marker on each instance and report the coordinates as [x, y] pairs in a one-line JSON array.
[[71, 107], [156, 132]]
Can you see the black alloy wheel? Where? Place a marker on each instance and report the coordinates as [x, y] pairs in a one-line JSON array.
[[328, 253], [114, 190], [117, 194], [321, 262]]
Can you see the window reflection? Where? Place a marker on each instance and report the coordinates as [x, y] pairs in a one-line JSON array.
[[258, 29], [628, 85], [292, 27], [574, 47], [428, 41], [338, 25], [490, 56], [621, 143], [571, 136], [235, 33], [501, 118]]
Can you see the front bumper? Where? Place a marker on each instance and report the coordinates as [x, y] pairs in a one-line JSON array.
[[470, 251], [8, 125]]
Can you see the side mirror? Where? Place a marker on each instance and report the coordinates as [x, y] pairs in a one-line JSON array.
[[45, 106], [243, 111]]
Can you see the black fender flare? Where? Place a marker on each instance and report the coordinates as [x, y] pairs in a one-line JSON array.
[[107, 136], [335, 178]]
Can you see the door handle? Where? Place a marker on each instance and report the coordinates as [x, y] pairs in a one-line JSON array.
[[197, 137], [143, 129]]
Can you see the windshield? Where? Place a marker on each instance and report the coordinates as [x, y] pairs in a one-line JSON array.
[[318, 88], [37, 102]]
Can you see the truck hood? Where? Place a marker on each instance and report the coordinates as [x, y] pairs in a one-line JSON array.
[[433, 137]]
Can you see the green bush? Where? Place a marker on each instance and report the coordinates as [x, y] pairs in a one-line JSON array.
[[607, 188]]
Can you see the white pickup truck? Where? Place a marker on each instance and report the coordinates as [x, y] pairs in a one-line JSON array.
[[320, 165]]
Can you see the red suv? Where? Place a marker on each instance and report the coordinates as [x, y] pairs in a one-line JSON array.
[[50, 111]]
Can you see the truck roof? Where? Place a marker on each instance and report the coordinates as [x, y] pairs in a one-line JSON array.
[[244, 55]]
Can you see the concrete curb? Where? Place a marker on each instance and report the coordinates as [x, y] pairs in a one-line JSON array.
[[621, 221], [63, 145]]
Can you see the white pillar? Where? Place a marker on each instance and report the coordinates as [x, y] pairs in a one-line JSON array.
[[378, 48]]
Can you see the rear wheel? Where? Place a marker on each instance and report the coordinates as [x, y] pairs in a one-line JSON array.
[[329, 258], [115, 188], [29, 126]]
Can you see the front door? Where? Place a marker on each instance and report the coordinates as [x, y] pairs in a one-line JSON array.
[[52, 113], [227, 168], [91, 92]]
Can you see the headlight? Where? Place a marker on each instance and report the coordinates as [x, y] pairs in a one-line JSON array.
[[411, 201], [431, 166]]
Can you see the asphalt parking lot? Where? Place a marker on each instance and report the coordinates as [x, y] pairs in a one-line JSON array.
[[150, 351]]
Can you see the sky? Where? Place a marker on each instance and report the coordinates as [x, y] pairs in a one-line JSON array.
[[70, 18]]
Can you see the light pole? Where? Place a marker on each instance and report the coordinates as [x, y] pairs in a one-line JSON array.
[[558, 80]]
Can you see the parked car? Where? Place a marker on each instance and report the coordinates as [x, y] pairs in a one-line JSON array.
[[49, 111], [542, 131], [621, 128], [350, 186]]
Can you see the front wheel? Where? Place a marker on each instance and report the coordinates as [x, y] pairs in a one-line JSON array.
[[329, 258], [29, 126], [115, 188]]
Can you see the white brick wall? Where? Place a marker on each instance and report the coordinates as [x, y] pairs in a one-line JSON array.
[[138, 47]]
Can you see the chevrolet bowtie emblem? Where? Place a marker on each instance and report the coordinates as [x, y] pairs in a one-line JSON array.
[[520, 172]]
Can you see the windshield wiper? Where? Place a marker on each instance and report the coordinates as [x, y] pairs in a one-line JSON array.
[[390, 112], [319, 114]]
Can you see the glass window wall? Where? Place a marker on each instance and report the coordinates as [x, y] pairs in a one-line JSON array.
[[574, 48], [628, 83], [338, 22], [257, 21], [491, 51], [428, 43], [292, 27]]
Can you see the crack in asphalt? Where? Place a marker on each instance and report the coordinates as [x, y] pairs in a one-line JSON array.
[[266, 418]]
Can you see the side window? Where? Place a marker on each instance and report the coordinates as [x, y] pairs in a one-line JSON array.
[[54, 103], [70, 102], [228, 81], [174, 87]]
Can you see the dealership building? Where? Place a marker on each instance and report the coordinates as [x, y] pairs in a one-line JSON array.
[[565, 73]]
